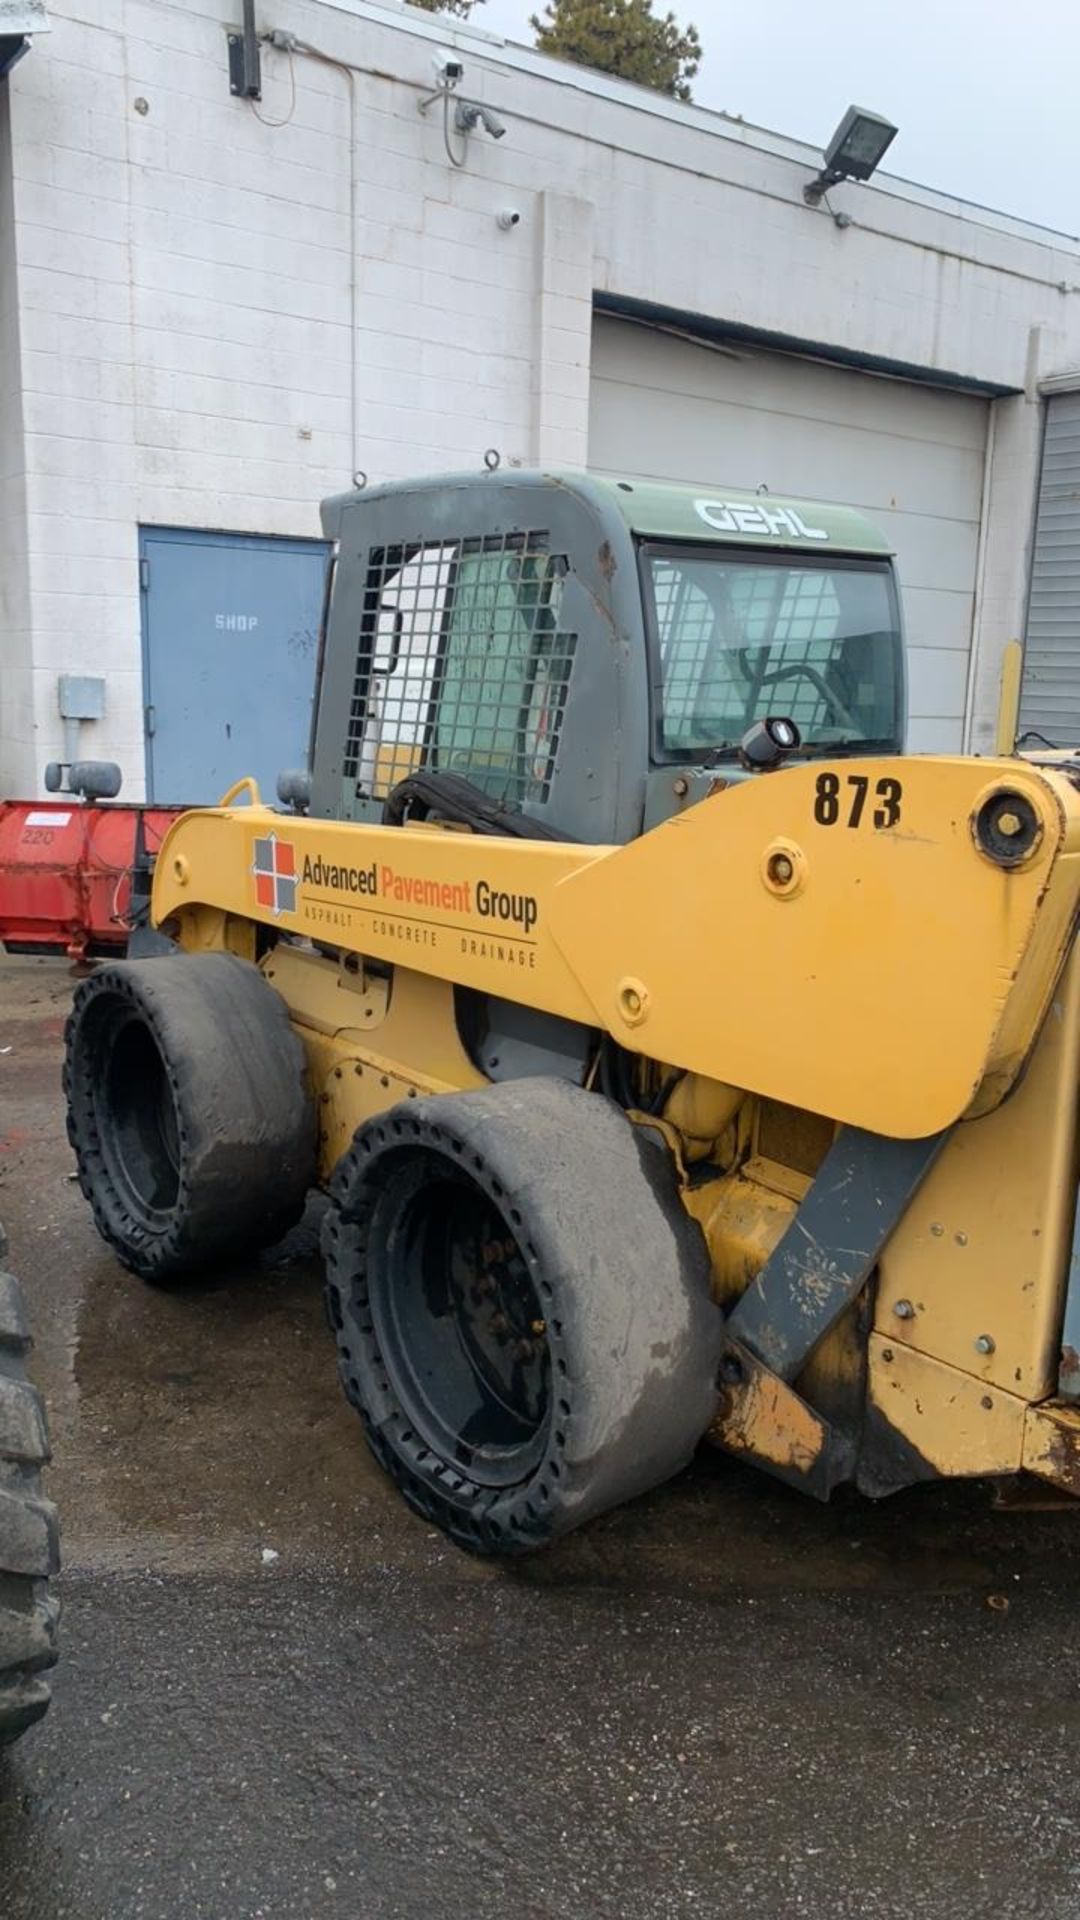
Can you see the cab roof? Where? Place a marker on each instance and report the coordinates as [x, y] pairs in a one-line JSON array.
[[661, 510]]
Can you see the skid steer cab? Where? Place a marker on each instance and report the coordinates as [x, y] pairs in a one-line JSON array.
[[658, 1094], [592, 652]]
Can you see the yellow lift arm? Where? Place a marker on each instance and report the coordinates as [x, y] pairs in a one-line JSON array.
[[875, 941]]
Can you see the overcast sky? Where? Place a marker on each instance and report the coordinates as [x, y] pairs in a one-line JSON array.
[[986, 93]]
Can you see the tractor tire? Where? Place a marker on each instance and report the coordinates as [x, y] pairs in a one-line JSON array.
[[521, 1307], [189, 1112], [29, 1537]]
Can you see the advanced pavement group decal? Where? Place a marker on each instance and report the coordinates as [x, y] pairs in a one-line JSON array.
[[407, 909], [275, 875]]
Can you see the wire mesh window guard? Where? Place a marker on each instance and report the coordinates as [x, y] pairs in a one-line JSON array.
[[461, 666], [738, 639]]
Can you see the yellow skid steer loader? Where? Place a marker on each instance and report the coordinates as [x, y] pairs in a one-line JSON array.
[[680, 1058]]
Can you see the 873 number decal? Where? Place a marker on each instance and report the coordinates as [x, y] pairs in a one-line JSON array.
[[833, 806]]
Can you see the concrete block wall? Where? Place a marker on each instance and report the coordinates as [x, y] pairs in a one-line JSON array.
[[225, 310], [16, 701]]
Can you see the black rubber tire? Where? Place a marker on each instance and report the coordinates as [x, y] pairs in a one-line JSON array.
[[189, 1111], [590, 1207], [29, 1536]]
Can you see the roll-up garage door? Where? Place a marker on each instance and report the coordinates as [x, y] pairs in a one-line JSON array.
[[908, 456], [1050, 695]]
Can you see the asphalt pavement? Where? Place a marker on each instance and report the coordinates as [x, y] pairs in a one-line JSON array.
[[282, 1695]]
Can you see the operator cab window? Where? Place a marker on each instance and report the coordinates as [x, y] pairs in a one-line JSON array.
[[737, 637], [462, 666], [504, 674]]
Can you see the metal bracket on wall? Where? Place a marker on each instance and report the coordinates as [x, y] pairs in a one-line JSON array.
[[245, 74]]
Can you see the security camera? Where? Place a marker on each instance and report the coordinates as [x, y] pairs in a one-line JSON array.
[[469, 114], [449, 70], [507, 218]]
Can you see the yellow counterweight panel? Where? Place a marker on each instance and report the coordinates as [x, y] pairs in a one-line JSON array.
[[844, 948], [975, 1265], [955, 1424]]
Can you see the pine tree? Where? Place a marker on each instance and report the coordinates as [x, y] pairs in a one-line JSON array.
[[462, 8], [624, 37]]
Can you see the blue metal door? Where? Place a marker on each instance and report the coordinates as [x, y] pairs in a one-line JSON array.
[[230, 634]]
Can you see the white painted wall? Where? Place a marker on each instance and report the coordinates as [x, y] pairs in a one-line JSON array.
[[16, 704], [220, 318]]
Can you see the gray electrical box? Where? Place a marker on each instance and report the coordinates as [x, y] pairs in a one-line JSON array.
[[82, 696]]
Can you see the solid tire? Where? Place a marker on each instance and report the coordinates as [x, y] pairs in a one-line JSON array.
[[29, 1536], [188, 1110], [622, 1276]]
